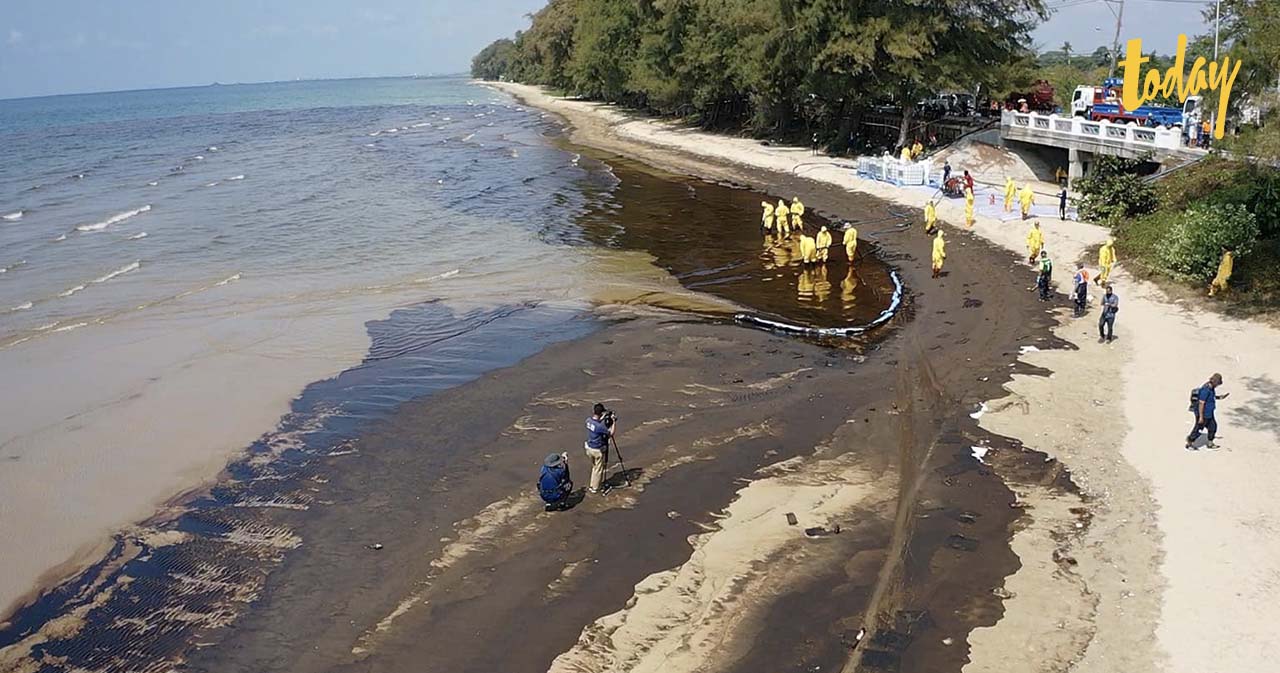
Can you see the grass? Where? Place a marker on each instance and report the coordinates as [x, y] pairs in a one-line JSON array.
[[1255, 284]]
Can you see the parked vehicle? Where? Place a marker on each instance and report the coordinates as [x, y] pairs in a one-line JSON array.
[[1100, 103], [1038, 99]]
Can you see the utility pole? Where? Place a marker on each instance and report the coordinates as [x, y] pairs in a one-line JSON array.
[[1115, 42], [1217, 19]]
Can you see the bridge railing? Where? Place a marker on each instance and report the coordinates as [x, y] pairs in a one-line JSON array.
[[1050, 128]]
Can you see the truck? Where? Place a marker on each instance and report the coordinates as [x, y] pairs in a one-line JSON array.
[[1100, 103], [1038, 99]]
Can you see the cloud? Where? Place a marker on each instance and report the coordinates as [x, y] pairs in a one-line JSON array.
[[15, 36]]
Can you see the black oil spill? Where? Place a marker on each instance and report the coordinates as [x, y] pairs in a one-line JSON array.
[[177, 580]]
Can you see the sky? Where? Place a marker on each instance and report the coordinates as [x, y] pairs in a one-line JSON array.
[[74, 46]]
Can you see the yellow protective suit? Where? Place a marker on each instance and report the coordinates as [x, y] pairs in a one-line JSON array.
[[824, 243], [968, 213], [1035, 243], [766, 220], [930, 217], [797, 214], [906, 153], [1224, 273], [1106, 257], [939, 253], [781, 219], [850, 244], [1026, 198], [808, 249], [1009, 191], [916, 150]]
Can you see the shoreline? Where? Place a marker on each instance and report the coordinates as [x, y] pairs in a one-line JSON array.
[[1142, 589]]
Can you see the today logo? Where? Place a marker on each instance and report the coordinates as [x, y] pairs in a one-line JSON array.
[[1216, 79]]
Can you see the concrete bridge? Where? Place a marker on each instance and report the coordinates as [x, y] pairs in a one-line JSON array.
[[1084, 139]]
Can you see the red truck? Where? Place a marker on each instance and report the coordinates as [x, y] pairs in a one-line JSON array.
[[1038, 99]]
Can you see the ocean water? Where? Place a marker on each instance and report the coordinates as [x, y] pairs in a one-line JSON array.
[[177, 265], [248, 274]]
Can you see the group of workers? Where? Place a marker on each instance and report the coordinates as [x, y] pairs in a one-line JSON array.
[[1026, 198], [912, 152], [782, 220]]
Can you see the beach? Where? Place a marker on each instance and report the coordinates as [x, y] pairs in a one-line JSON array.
[[1166, 559], [977, 484]]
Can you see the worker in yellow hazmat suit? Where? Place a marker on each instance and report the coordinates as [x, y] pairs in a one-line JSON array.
[[1027, 198], [916, 150], [766, 220], [939, 253], [930, 217], [1224, 273], [808, 249], [781, 219], [906, 153], [1035, 243], [850, 244], [824, 243], [1106, 257], [1009, 191], [968, 208], [797, 214]]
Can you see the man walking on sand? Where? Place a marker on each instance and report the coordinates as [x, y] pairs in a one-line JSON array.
[[1046, 275], [1203, 406], [597, 447], [1110, 306]]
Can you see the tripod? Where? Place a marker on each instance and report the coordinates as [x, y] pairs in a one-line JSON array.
[[621, 463]]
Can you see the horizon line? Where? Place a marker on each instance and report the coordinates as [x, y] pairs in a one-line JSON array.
[[211, 84]]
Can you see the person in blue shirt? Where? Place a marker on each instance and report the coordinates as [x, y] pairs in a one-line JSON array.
[[599, 431], [554, 483], [1203, 407]]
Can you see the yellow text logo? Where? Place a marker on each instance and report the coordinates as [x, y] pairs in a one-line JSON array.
[[1204, 75]]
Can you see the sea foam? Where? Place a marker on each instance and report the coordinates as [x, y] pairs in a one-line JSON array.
[[21, 307], [114, 219], [122, 270], [14, 216], [137, 236]]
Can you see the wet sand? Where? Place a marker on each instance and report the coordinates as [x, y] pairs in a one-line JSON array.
[[691, 566]]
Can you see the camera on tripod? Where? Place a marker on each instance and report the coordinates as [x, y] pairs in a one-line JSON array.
[[608, 418]]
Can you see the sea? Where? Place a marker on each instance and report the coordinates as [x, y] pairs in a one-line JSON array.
[[196, 277]]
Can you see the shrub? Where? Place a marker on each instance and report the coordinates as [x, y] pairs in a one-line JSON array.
[[1114, 191], [1198, 237]]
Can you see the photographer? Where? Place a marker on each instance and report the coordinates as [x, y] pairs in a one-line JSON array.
[[600, 429]]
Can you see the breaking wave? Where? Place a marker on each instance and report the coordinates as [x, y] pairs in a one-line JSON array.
[[114, 219], [119, 272]]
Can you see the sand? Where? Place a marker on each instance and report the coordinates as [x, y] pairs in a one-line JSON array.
[[1171, 559]]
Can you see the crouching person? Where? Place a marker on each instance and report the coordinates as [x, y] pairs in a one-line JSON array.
[[554, 484]]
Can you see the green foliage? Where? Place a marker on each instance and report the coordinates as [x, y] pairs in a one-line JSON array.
[[783, 66], [1198, 237], [1065, 78], [494, 61], [1113, 191]]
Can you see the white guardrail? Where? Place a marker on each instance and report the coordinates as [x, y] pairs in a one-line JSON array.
[[1129, 135]]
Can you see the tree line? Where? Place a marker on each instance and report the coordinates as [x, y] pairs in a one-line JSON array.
[[777, 67]]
